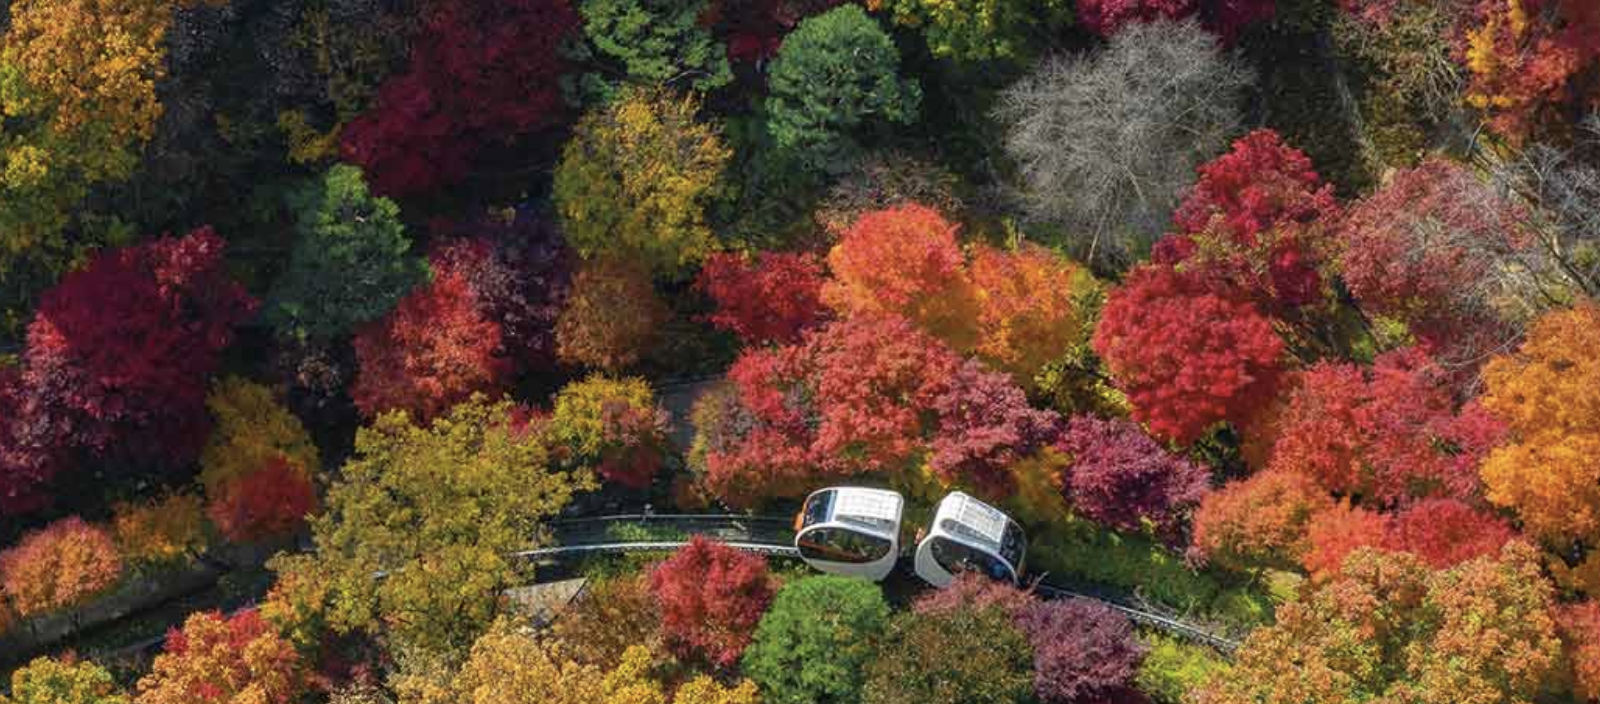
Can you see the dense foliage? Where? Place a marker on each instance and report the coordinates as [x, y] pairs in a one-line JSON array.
[[711, 597], [815, 641]]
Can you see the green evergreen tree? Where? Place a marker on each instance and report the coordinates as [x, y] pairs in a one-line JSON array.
[[813, 643], [350, 264]]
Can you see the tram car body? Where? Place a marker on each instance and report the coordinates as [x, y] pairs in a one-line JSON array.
[[969, 535], [850, 531]]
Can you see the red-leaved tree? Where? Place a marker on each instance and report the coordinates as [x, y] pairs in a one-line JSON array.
[[270, 502], [905, 261], [519, 269], [233, 659], [1187, 355], [482, 72], [1381, 435], [711, 597], [1124, 479], [1228, 18], [1447, 532], [118, 358], [984, 425], [1337, 531], [1580, 637], [1428, 249], [771, 297], [434, 350], [1261, 219]]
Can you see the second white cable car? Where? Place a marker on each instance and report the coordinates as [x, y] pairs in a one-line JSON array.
[[850, 531], [969, 535]]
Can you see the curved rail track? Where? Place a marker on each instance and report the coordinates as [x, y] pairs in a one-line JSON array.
[[773, 535]]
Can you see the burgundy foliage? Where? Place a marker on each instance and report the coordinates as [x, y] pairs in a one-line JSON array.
[[1083, 652], [755, 28], [772, 298], [117, 361], [711, 598], [973, 591], [520, 269], [1122, 478], [482, 72], [984, 426]]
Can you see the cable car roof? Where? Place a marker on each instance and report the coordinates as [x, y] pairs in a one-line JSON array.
[[972, 519], [874, 508]]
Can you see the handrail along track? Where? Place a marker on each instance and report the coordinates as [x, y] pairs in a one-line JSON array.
[[578, 537]]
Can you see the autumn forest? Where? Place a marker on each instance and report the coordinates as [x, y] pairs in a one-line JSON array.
[[799, 351]]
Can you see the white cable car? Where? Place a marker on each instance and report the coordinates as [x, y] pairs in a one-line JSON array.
[[969, 535], [850, 531]]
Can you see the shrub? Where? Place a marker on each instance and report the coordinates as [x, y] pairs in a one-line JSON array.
[[611, 425], [1083, 651], [711, 598], [59, 566], [813, 644], [970, 592], [64, 681], [169, 530], [1173, 668], [962, 656]]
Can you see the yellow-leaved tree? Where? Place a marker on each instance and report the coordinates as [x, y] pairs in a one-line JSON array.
[[1548, 394], [418, 531], [635, 180], [251, 429]]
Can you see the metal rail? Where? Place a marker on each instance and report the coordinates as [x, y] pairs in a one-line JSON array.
[[735, 532]]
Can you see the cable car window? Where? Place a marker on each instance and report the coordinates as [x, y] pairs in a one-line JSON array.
[[839, 545], [1014, 544], [816, 509], [956, 558]]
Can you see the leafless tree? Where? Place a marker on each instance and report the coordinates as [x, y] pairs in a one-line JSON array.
[[1105, 144], [1562, 191]]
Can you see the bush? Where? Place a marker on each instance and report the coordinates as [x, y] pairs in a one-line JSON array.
[[1173, 668], [162, 532], [59, 566], [813, 644], [962, 656], [711, 597], [1123, 478], [1083, 652], [64, 681]]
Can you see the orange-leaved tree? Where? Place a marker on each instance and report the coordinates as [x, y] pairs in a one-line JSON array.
[[238, 659], [1548, 393], [58, 567], [905, 261]]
